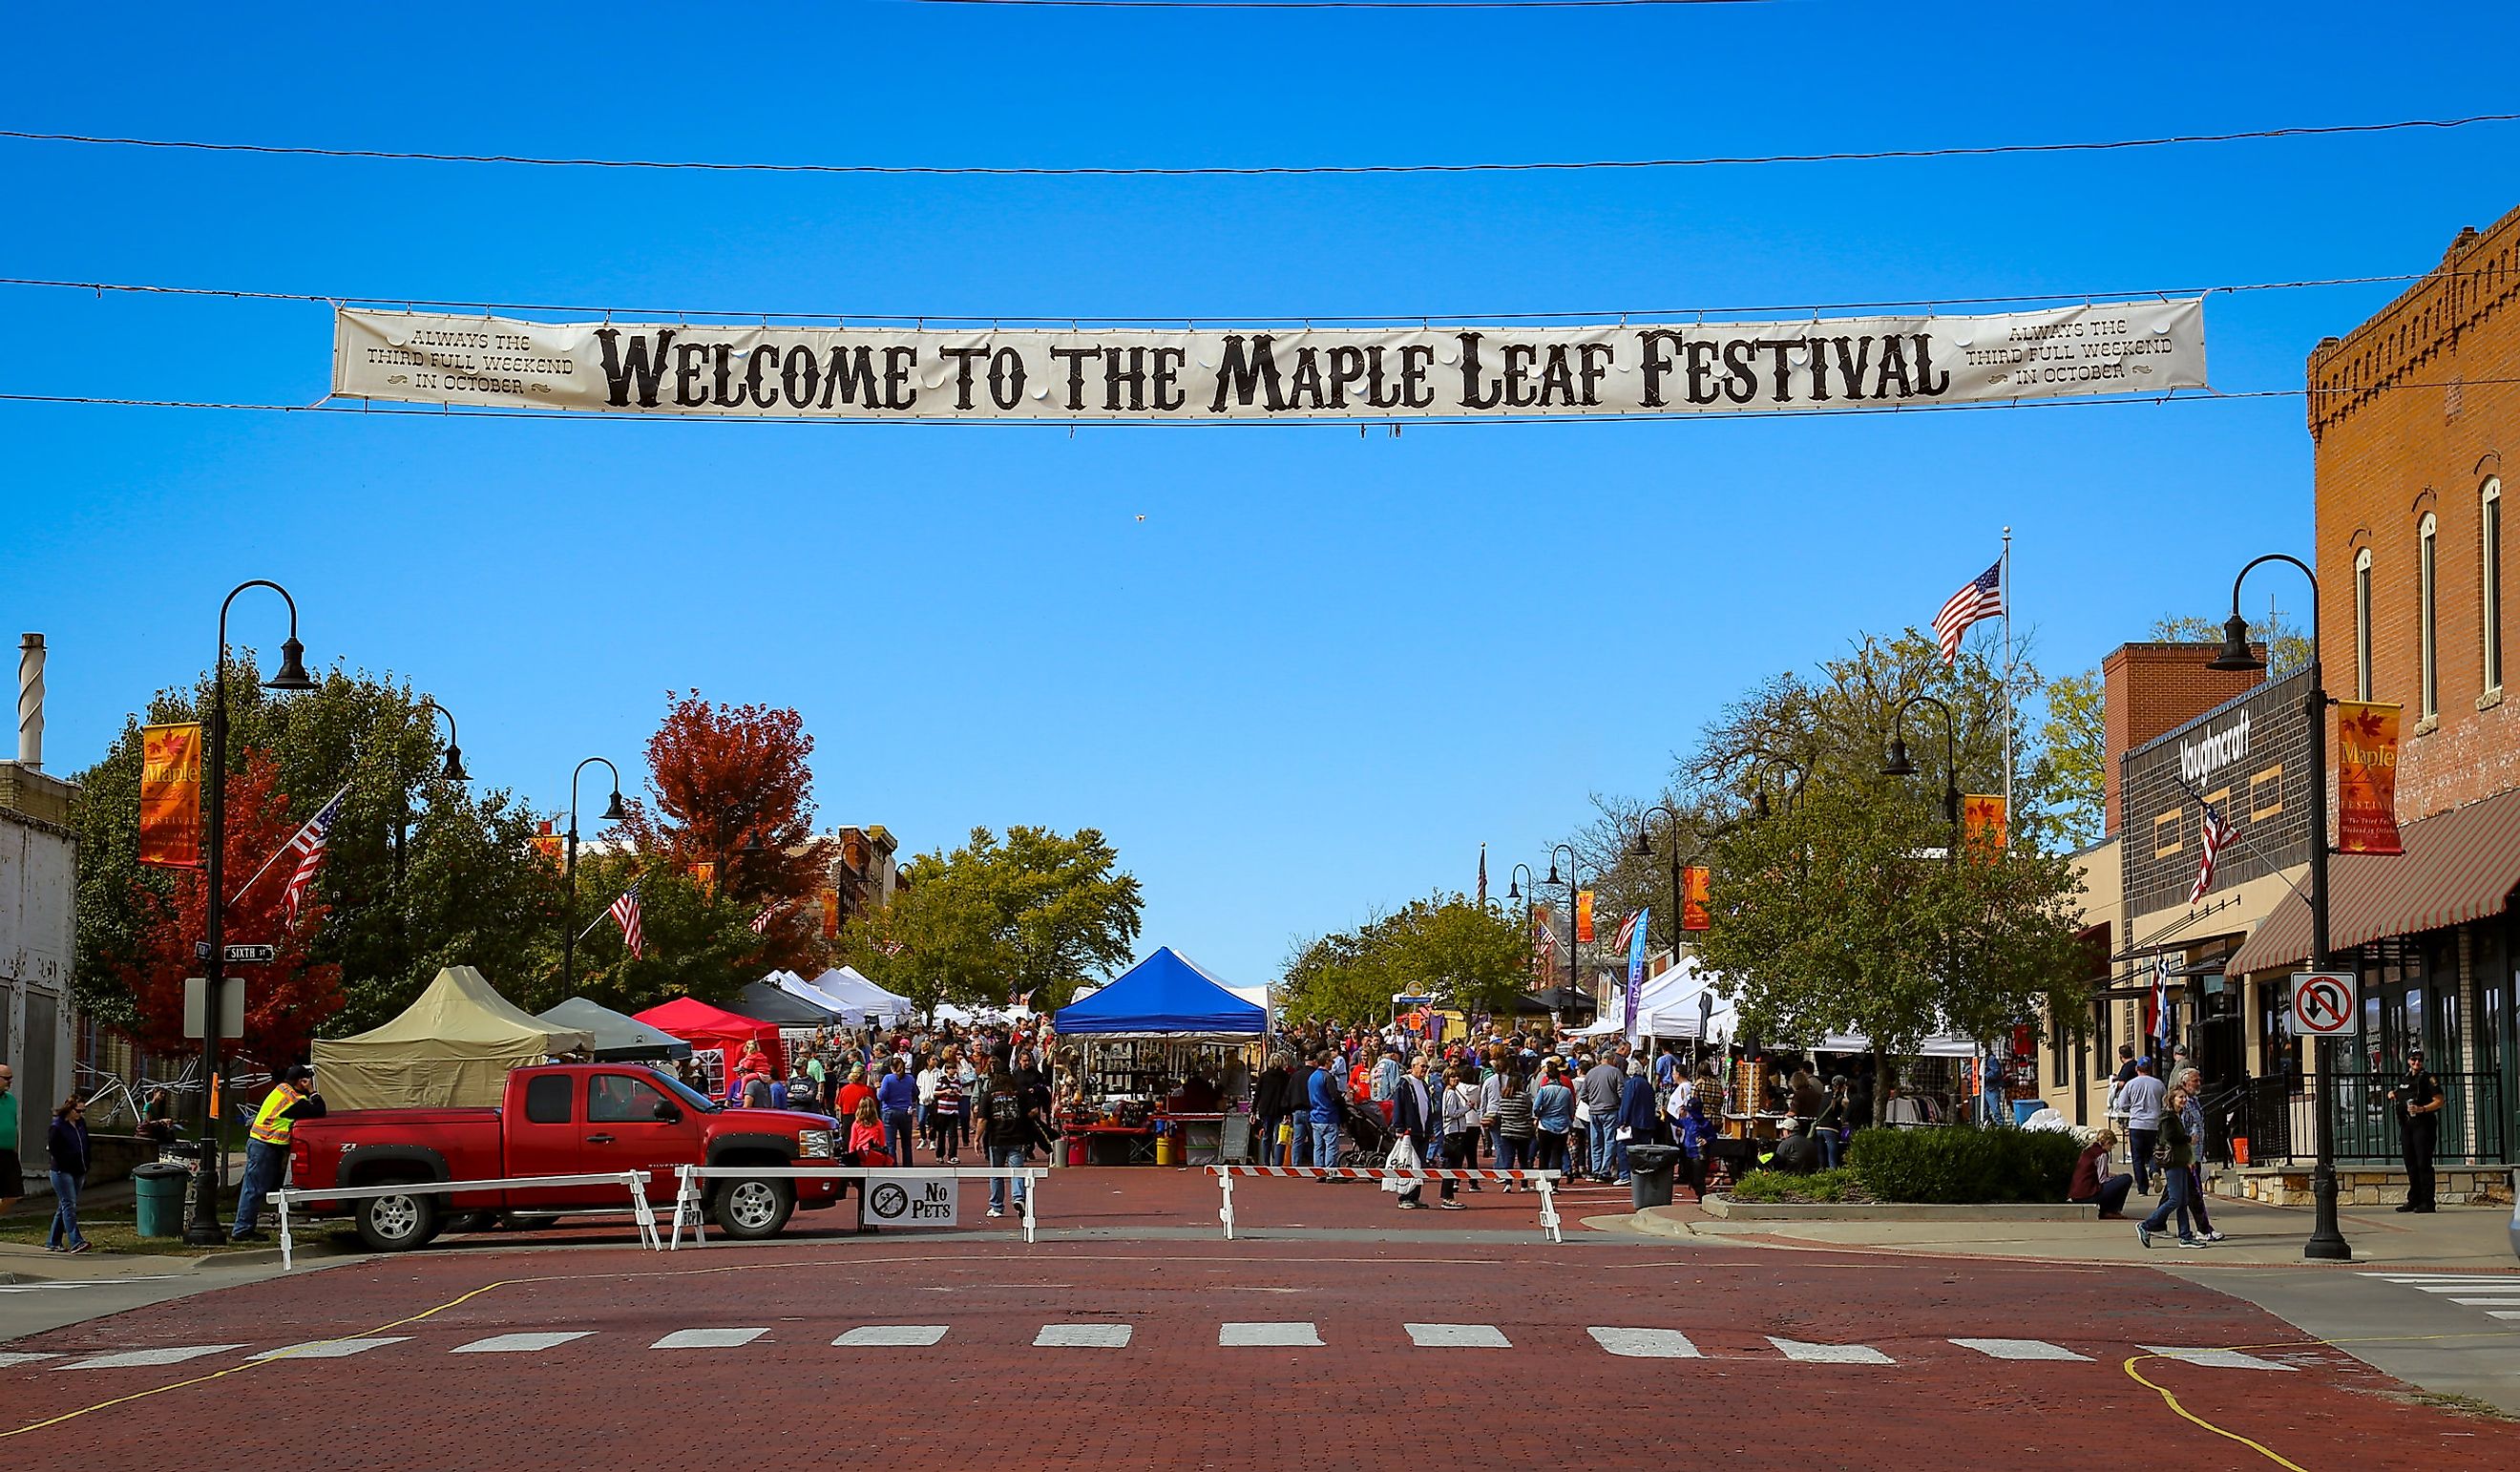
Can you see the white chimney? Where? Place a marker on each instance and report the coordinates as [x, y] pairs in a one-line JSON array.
[[30, 702]]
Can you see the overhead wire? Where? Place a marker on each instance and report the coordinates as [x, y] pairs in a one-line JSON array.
[[1338, 4], [1931, 304], [1716, 160]]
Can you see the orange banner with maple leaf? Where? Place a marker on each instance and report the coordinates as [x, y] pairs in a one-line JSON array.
[[2367, 778], [1584, 915], [170, 795], [1692, 901], [1983, 822]]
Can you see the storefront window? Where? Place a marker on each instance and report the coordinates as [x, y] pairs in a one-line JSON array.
[[2362, 624], [2279, 1052], [2425, 539], [2490, 570]]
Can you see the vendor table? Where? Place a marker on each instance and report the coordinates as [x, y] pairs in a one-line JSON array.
[[1116, 1144], [1202, 1137], [1754, 1126]]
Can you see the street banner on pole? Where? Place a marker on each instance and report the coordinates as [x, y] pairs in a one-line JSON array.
[[2367, 778], [170, 795], [756, 371], [1584, 916], [1692, 889], [1981, 826], [1635, 967]]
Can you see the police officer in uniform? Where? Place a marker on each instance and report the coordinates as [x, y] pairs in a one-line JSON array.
[[2418, 1101]]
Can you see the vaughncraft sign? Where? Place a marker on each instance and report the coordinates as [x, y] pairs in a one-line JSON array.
[[1850, 363]]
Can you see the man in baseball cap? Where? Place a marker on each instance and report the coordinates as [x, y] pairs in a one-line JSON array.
[[2418, 1101]]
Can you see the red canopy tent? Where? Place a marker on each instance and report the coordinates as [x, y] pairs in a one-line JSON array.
[[714, 1028]]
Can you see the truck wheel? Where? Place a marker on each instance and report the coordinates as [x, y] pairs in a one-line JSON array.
[[749, 1209], [398, 1222]]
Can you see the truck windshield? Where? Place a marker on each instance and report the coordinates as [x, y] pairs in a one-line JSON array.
[[684, 1092]]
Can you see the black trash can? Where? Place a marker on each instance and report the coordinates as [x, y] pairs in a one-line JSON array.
[[1650, 1174]]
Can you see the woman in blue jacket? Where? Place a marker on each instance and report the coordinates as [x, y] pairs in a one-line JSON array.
[[66, 1141], [1639, 1119]]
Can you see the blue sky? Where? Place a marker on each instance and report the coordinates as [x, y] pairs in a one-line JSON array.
[[1322, 669]]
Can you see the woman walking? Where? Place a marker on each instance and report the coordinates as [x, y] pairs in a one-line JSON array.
[[2178, 1151], [66, 1141], [1462, 1120], [1553, 1114], [1514, 1123]]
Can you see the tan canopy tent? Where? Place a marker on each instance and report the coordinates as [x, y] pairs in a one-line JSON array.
[[451, 1048]]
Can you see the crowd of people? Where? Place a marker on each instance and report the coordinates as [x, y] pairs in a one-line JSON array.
[[1528, 1101]]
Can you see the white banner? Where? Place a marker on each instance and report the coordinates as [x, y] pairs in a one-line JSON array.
[[1297, 373]]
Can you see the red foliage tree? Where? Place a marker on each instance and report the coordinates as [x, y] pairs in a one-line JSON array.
[[732, 788], [286, 999]]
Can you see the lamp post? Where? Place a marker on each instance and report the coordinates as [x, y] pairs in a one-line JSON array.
[[1644, 850], [1759, 765], [449, 770], [569, 866], [1513, 893], [1573, 946], [1897, 764], [202, 1230], [2326, 1240]]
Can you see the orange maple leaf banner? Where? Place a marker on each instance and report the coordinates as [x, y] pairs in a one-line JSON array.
[[1583, 914], [2367, 778], [1983, 825], [830, 900], [170, 795], [1692, 892]]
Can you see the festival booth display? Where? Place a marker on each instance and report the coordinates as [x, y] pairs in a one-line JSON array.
[[451, 1049], [1166, 1056], [857, 999], [718, 1036], [619, 1038], [797, 1018]]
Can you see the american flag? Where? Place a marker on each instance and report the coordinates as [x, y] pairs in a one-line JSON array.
[[625, 911], [761, 922], [1483, 877], [309, 846], [1544, 938], [1626, 930], [1982, 597], [2160, 1009], [2217, 834]]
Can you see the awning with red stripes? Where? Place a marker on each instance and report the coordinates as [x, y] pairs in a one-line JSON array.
[[2458, 865]]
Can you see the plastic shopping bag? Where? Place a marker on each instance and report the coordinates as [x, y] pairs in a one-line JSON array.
[[1402, 1157]]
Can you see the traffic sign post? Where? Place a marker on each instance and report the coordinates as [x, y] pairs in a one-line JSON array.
[[2324, 1003]]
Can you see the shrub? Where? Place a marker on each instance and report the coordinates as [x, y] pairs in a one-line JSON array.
[[1840, 1184], [1964, 1164]]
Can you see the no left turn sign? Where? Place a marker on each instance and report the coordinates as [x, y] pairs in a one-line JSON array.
[[2323, 1004]]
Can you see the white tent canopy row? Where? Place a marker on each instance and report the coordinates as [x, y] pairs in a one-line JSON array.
[[1668, 1007], [846, 991]]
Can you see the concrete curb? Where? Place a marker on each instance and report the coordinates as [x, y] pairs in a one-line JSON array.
[[1726, 1208]]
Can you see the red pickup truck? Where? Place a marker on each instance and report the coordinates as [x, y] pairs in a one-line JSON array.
[[559, 1119]]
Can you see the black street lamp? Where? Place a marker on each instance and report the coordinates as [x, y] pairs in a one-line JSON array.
[[568, 869], [449, 770], [1760, 763], [202, 1230], [1513, 893], [1897, 764], [1572, 945], [1644, 850], [2327, 1240]]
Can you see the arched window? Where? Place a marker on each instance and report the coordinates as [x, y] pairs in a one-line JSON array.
[[2425, 540], [2489, 565], [2362, 624]]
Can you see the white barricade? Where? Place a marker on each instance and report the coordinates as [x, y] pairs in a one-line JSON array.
[[636, 1180], [1544, 1182], [686, 1195]]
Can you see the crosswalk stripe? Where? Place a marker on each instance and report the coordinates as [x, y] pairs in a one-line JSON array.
[[22, 1356], [2021, 1348], [132, 1358], [518, 1344], [1646, 1344], [891, 1336], [708, 1339], [2488, 1303], [1458, 1336], [2216, 1358], [1083, 1336], [2480, 1287], [1268, 1336], [329, 1348], [1829, 1354], [2502, 1314]]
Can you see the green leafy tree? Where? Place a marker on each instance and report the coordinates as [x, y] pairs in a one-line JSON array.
[[417, 873], [1036, 913], [695, 942], [1469, 959], [1843, 914]]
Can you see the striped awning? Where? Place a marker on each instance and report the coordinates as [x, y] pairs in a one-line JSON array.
[[2458, 865]]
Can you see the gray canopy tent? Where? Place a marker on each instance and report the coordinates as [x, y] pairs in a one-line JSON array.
[[617, 1038]]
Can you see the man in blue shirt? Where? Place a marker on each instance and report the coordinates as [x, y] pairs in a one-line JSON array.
[[1323, 1091], [898, 1098]]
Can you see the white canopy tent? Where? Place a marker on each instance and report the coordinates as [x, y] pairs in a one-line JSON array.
[[1669, 1008], [855, 996]]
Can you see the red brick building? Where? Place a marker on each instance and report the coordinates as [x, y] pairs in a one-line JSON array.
[[2415, 417]]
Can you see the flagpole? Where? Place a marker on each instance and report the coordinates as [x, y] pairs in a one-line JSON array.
[[2007, 581]]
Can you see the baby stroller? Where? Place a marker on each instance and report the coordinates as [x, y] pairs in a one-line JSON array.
[[1369, 1136]]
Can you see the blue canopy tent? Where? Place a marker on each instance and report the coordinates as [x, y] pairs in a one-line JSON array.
[[1167, 997]]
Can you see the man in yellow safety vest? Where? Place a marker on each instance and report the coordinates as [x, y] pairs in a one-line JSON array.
[[266, 1151]]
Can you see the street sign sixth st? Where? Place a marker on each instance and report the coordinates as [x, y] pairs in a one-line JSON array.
[[2323, 1004], [235, 956]]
